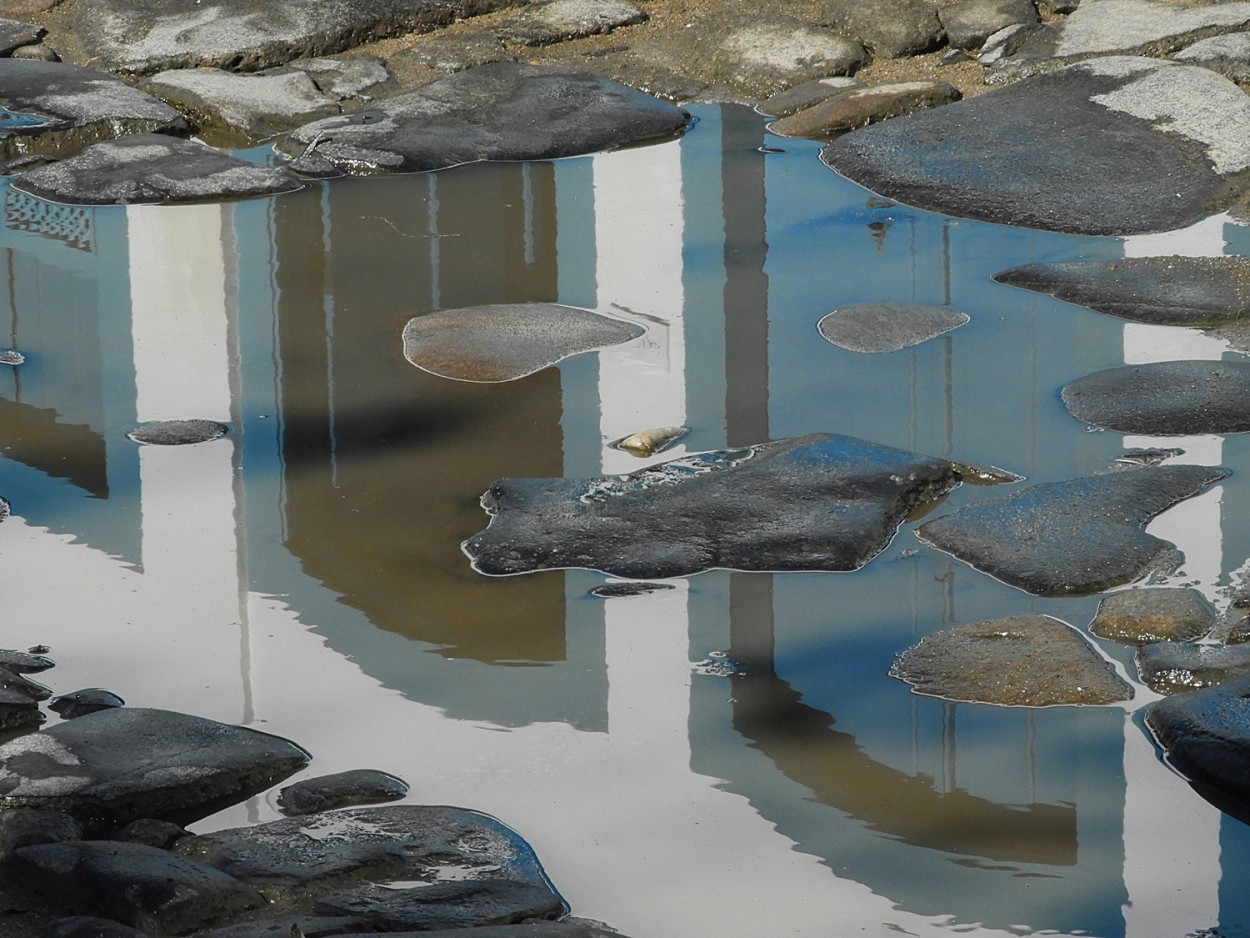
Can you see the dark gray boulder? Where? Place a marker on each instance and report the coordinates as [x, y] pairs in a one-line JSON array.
[[1109, 146], [134, 884], [818, 502], [283, 925], [23, 827], [153, 168], [501, 111], [968, 23], [567, 928], [1078, 536], [622, 590], [24, 662], [1165, 398], [81, 702], [178, 432], [1153, 614], [14, 34], [1019, 661], [889, 28], [359, 786], [888, 327], [1206, 736], [504, 342], [111, 767], [150, 831], [19, 700], [61, 109], [89, 926], [1176, 667], [551, 21], [450, 905]]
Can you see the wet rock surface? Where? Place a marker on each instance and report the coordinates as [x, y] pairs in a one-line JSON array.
[[863, 106], [502, 111], [1134, 155], [1174, 667], [153, 168], [178, 432], [1165, 398], [888, 327], [341, 790], [1153, 614], [818, 502], [88, 700], [507, 341], [1078, 536], [449, 905], [1025, 661]]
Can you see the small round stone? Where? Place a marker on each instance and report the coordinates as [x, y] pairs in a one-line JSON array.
[[178, 432]]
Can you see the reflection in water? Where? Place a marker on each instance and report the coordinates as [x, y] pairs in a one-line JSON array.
[[304, 574]]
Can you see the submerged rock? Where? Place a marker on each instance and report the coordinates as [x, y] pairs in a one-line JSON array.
[[888, 327], [178, 432], [1165, 398], [89, 926], [114, 766], [153, 168], [1021, 661], [501, 111], [507, 341], [1175, 667], [1153, 614], [818, 502], [1108, 146], [647, 443], [360, 786], [1078, 536], [620, 590]]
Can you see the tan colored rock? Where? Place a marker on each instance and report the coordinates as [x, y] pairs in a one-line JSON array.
[[863, 106]]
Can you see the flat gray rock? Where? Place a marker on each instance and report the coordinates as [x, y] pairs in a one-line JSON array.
[[59, 109], [449, 905], [245, 35], [502, 111], [178, 432], [505, 342], [1229, 55], [968, 23], [14, 34], [1119, 27], [1153, 614], [1110, 146], [1017, 661], [1078, 536], [889, 28], [1165, 398], [136, 885], [341, 790], [808, 94], [153, 168], [1177, 667], [23, 827], [860, 107], [23, 662], [112, 767], [1206, 735], [551, 21], [818, 502], [888, 327]]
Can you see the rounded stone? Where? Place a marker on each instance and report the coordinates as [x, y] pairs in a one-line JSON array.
[[178, 432]]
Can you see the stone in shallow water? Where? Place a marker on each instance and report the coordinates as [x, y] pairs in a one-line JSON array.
[[1177, 398], [1078, 536], [888, 327], [507, 341], [450, 905], [1175, 667], [360, 786], [1153, 614], [1022, 661], [622, 590], [1108, 146], [178, 432], [500, 111], [646, 443], [24, 662], [88, 700], [153, 168], [818, 502]]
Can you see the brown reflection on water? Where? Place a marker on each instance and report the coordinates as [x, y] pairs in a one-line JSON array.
[[35, 437], [383, 463]]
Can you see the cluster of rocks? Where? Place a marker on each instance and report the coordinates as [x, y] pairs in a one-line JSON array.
[[93, 842]]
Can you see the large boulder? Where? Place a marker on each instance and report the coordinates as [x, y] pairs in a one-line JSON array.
[[1153, 614], [818, 502], [1109, 146], [1177, 398]]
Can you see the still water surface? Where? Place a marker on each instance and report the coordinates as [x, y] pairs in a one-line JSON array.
[[303, 575]]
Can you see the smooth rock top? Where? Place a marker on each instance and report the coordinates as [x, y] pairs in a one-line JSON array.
[[178, 432], [888, 327], [359, 786], [502, 111], [1153, 614], [1165, 398], [1116, 145], [890, 28]]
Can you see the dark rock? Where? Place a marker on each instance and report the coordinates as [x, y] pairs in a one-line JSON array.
[[503, 111], [889, 28], [818, 502], [617, 590], [888, 327], [66, 108], [243, 35], [81, 702], [507, 341], [551, 21], [135, 884], [968, 23], [19, 700], [1020, 661], [1165, 398], [1121, 135], [153, 168], [1229, 55], [11, 680], [283, 926], [178, 432], [24, 662], [458, 905], [112, 767], [87, 926], [394, 843], [808, 94], [15, 34], [361, 786], [864, 106], [150, 831], [566, 928], [1153, 614], [1078, 536], [22, 827], [1206, 735], [1176, 667]]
